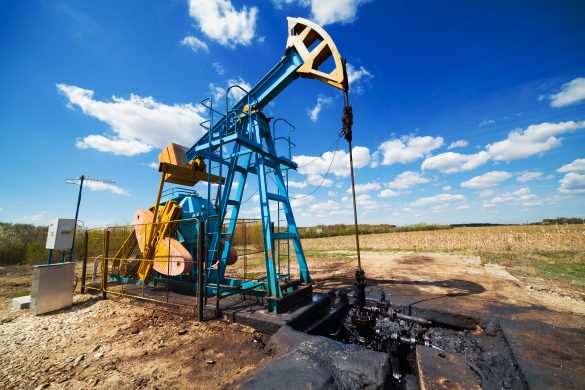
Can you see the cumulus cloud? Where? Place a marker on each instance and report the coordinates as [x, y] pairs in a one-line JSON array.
[[325, 12], [440, 199], [316, 166], [528, 176], [451, 162], [572, 183], [357, 78], [322, 102], [121, 146], [296, 184], [461, 143], [571, 93], [366, 187], [576, 166], [194, 43], [408, 148], [522, 195], [235, 94], [487, 180], [222, 22], [100, 186], [407, 179], [139, 124], [535, 139], [387, 193]]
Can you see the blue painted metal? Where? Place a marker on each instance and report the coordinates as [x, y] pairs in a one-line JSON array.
[[261, 94], [241, 143]]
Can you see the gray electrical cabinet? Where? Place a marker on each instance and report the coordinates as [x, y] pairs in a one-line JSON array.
[[52, 287], [60, 234]]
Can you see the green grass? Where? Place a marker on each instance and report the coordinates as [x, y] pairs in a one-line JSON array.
[[567, 267]]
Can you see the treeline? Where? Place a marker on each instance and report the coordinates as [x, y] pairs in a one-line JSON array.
[[22, 243], [562, 221], [346, 230]]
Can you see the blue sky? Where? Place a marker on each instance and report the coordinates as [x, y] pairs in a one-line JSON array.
[[464, 111]]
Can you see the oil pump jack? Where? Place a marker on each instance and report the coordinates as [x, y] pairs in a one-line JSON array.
[[240, 143]]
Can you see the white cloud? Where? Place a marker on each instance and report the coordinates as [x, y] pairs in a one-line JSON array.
[[522, 195], [326, 11], [217, 68], [220, 21], [406, 180], [486, 193], [153, 165], [461, 143], [99, 186], [486, 122], [408, 148], [528, 176], [572, 183], [571, 93], [535, 139], [451, 162], [116, 145], [357, 78], [388, 193], [138, 123], [366, 187], [354, 75], [194, 43], [316, 167], [296, 184], [322, 102], [487, 180], [439, 200], [447, 188], [575, 166], [235, 94], [301, 200]]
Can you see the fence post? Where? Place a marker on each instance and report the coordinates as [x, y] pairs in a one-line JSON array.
[[84, 268], [200, 260], [245, 223], [105, 264]]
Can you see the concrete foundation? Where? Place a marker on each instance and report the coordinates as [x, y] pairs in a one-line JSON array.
[[21, 303]]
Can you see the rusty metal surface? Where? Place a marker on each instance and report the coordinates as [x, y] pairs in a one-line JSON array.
[[442, 370]]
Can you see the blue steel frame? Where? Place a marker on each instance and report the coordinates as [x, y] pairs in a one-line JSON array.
[[247, 130]]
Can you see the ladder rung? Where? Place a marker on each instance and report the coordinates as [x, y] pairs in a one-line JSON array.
[[283, 236], [276, 197]]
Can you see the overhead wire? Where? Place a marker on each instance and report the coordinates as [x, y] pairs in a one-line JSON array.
[[326, 173]]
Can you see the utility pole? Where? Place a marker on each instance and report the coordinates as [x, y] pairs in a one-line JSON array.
[[80, 181]]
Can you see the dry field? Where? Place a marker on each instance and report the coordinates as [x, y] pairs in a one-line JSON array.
[[554, 253], [488, 239]]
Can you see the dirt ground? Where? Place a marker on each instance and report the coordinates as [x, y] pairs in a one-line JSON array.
[[101, 344], [104, 344], [447, 275]]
